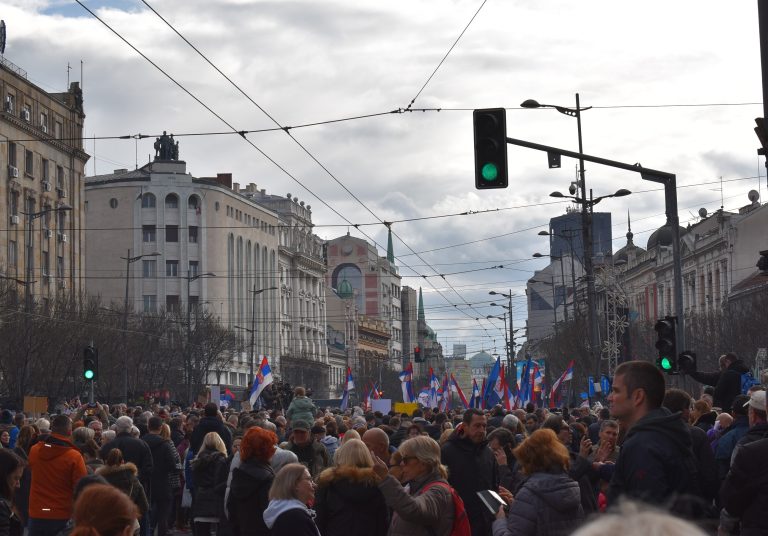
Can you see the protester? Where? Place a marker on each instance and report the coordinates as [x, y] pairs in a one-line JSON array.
[[165, 464], [211, 422], [288, 513], [727, 382], [549, 501], [636, 519], [209, 476], [655, 461], [348, 500], [124, 476], [502, 442], [104, 511], [377, 442], [702, 415], [302, 408], [731, 436], [309, 452], [757, 418], [249, 490], [56, 466], [134, 450], [11, 470], [425, 508], [472, 467]]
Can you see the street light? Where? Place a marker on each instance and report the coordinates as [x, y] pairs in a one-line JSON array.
[[252, 331], [128, 261], [189, 279], [510, 343], [31, 217]]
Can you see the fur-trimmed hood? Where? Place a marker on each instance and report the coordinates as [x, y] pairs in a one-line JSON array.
[[354, 475], [111, 470]]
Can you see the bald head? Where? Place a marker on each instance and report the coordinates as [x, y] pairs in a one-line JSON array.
[[377, 441]]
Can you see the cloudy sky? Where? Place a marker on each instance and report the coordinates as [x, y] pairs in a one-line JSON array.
[[673, 85]]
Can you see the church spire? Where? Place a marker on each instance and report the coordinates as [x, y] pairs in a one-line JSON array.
[[629, 231], [421, 307], [390, 249]]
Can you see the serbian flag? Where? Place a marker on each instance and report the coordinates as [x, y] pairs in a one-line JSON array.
[[564, 377], [493, 389], [482, 397], [406, 383], [456, 389], [262, 379], [434, 386], [347, 388], [446, 402], [525, 382], [503, 393], [474, 402]]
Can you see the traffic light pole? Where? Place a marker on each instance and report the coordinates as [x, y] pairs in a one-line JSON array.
[[91, 399], [669, 180]]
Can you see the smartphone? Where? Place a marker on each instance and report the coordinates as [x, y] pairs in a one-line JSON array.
[[492, 500]]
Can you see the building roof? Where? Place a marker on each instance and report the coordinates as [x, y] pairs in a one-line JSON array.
[[662, 237], [481, 359]]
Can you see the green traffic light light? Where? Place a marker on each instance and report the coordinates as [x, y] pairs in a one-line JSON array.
[[88, 374], [666, 364], [490, 172]]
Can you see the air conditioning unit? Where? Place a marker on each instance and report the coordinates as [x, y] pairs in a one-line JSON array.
[[13, 172], [63, 238], [25, 115], [62, 193], [47, 186], [48, 233], [44, 128], [15, 220], [63, 285], [8, 105]]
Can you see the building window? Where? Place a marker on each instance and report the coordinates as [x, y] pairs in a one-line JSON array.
[[150, 303], [13, 254], [193, 202], [44, 121], [148, 233], [14, 203], [10, 103], [62, 220], [113, 202], [44, 170], [29, 162], [148, 201], [193, 234], [59, 177], [171, 233], [26, 113], [171, 268], [60, 267], [233, 378], [194, 268], [11, 154], [172, 303], [149, 268], [171, 201], [46, 263]]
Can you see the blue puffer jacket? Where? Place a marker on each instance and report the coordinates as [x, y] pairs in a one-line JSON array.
[[546, 503]]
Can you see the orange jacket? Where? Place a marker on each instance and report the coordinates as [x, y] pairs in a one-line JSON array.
[[56, 466]]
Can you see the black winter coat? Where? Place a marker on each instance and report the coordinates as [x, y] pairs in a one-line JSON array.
[[209, 475], [10, 525], [135, 451], [295, 522], [744, 492], [210, 424], [727, 383], [709, 483], [348, 502], [546, 503], [164, 465], [655, 462], [471, 468], [249, 497]]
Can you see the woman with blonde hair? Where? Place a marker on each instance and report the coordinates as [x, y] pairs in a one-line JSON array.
[[348, 500], [549, 501], [426, 509], [288, 513], [210, 471]]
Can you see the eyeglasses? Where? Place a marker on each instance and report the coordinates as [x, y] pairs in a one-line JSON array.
[[405, 459]]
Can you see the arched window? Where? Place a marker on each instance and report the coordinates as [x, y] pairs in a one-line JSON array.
[[171, 201], [193, 202], [148, 200]]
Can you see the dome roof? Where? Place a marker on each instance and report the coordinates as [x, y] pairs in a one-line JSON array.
[[345, 289], [480, 359], [662, 237]]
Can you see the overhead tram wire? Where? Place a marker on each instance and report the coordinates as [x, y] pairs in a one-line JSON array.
[[312, 156]]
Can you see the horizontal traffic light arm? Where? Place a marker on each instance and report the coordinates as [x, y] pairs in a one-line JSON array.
[[652, 174]]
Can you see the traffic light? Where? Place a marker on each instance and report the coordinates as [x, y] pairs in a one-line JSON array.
[[417, 355], [667, 344], [90, 363], [686, 362], [490, 128]]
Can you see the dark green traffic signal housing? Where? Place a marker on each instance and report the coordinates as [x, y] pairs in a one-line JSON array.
[[686, 362], [667, 344], [490, 130], [90, 363]]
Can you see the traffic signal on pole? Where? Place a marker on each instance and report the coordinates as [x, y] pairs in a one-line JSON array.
[[490, 129], [667, 344], [417, 355], [686, 362], [90, 363]]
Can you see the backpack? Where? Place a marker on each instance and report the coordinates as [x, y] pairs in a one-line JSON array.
[[460, 520], [747, 381]]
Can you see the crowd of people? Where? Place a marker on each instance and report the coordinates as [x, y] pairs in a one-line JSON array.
[[655, 461]]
